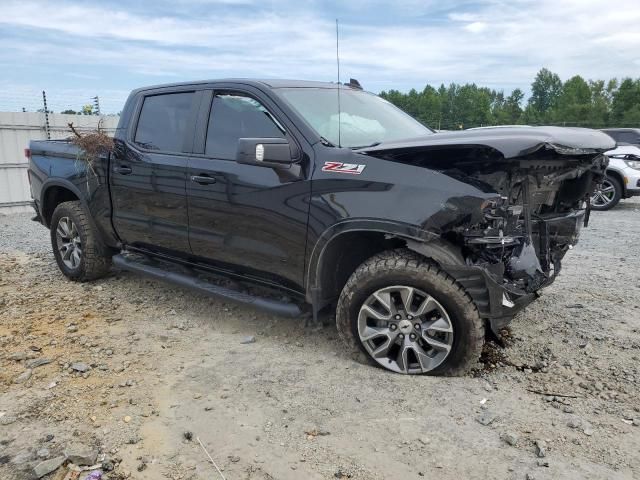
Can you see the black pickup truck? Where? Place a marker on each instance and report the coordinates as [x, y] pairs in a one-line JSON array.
[[421, 241]]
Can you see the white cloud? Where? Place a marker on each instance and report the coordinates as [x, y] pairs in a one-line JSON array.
[[476, 27], [500, 44]]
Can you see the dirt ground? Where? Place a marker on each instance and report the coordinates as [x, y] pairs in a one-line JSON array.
[[140, 372]]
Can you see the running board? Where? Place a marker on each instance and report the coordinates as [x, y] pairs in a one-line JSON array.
[[192, 282]]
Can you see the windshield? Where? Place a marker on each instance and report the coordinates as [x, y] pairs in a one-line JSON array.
[[365, 119]]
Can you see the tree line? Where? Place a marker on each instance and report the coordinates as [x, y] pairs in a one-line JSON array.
[[576, 102], [85, 110]]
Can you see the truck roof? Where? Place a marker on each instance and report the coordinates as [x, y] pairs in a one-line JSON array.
[[270, 83]]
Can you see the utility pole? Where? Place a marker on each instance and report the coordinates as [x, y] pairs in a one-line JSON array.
[[46, 115], [96, 105]]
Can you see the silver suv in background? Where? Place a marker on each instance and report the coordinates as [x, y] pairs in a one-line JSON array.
[[623, 177], [623, 173]]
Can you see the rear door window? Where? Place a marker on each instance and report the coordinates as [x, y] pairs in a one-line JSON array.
[[234, 116], [164, 121]]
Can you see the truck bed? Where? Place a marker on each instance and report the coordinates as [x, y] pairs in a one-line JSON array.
[[55, 148]]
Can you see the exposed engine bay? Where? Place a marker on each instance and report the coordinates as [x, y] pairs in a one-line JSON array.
[[536, 199], [527, 230]]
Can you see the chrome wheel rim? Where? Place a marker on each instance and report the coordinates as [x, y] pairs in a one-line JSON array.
[[69, 243], [405, 330], [604, 195]]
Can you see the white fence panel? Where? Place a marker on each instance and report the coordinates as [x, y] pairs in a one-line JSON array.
[[16, 130]]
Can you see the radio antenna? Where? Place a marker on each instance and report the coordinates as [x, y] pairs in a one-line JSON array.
[[338, 64]]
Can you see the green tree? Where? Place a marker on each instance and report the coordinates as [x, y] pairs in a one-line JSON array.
[[631, 117], [514, 106], [600, 103], [430, 107], [545, 91], [625, 102], [593, 103], [508, 111], [573, 105]]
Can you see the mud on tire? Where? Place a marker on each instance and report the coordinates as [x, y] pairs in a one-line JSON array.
[[94, 261], [406, 268]]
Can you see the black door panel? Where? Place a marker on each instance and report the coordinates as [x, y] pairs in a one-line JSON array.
[[149, 175], [150, 204], [251, 218]]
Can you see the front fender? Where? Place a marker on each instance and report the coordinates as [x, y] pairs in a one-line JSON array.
[[485, 293], [318, 258]]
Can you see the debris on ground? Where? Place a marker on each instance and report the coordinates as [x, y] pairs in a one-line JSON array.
[[157, 361], [48, 466], [541, 448], [487, 418], [82, 456], [510, 438], [316, 432]]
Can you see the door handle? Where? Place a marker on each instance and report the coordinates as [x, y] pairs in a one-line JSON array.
[[203, 179], [123, 170]]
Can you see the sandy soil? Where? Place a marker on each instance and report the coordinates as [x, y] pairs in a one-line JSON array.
[[168, 367]]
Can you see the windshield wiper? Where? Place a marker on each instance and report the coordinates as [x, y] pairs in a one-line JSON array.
[[326, 142], [374, 144]]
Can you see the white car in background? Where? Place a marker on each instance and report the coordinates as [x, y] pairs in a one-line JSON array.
[[623, 178]]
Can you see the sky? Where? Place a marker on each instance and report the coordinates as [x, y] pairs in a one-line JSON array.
[[76, 50]]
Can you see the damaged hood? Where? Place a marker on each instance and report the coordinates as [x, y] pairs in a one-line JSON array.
[[511, 142]]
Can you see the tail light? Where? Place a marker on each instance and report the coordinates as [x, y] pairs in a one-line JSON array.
[[27, 155]]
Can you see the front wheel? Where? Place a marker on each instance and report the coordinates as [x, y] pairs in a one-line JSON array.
[[80, 254], [408, 316], [608, 194]]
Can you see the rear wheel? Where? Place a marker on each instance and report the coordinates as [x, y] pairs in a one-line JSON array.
[[80, 254], [608, 194], [408, 316]]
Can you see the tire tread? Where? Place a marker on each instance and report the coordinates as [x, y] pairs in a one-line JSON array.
[[95, 256], [393, 261]]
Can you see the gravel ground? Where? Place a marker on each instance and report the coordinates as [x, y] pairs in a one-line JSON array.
[[20, 234], [140, 372]]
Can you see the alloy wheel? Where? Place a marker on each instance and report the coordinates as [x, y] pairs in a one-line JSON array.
[[405, 330], [604, 195], [69, 243]]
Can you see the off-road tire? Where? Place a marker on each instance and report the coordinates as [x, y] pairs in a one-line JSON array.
[[95, 261], [405, 267]]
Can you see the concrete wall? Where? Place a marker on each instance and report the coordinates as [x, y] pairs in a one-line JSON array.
[[16, 130]]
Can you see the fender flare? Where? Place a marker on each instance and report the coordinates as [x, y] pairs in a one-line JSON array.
[[422, 241], [59, 182]]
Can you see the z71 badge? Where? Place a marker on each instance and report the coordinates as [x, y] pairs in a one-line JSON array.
[[339, 167]]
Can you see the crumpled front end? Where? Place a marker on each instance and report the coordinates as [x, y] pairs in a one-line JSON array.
[[518, 247], [512, 244], [535, 220]]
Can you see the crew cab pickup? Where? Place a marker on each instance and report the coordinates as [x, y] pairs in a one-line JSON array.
[[421, 241]]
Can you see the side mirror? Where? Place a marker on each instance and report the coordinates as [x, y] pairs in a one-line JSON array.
[[266, 152]]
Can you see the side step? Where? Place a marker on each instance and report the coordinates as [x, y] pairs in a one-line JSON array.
[[192, 282]]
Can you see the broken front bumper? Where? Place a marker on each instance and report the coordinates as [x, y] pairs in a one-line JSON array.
[[498, 299], [493, 301]]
